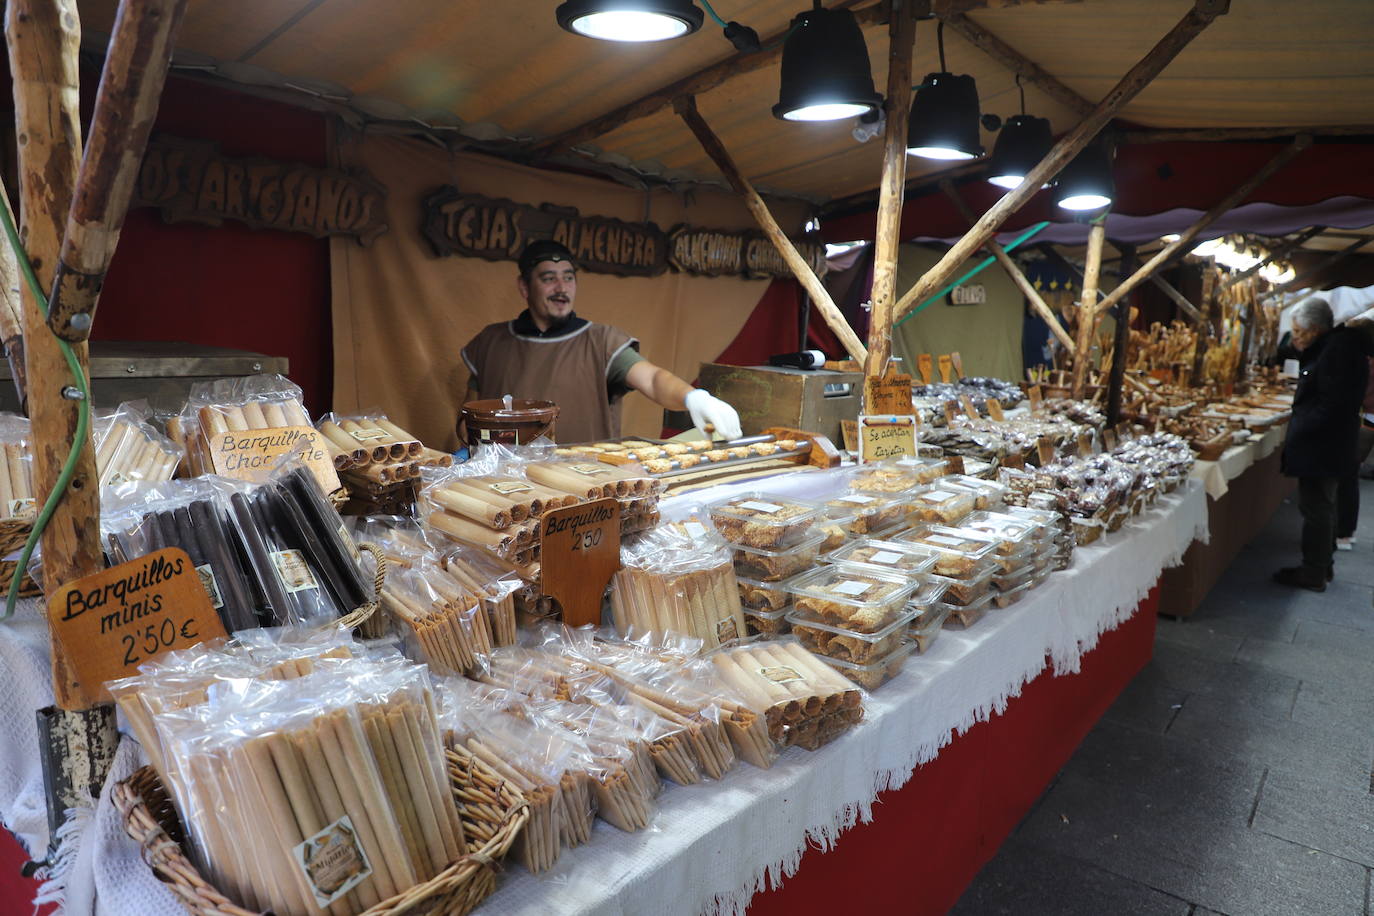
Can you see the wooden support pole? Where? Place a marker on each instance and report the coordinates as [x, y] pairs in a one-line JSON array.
[[686, 108], [1087, 308], [695, 84], [1204, 328], [43, 38], [1282, 250], [135, 70], [1121, 351], [1324, 264], [1038, 304], [1068, 146], [1252, 313], [1184, 242], [1019, 64], [1180, 300], [901, 41]]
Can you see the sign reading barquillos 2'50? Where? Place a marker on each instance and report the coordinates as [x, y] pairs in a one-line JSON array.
[[498, 229], [189, 180]]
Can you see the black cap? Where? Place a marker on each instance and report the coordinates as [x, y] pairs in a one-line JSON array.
[[544, 250]]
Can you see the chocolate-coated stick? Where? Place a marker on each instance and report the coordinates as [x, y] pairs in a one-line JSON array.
[[304, 487], [260, 560], [237, 610], [292, 523]]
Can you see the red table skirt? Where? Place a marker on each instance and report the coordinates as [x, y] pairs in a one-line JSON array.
[[931, 836]]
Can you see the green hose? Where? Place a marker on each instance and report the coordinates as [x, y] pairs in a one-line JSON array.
[[83, 423]]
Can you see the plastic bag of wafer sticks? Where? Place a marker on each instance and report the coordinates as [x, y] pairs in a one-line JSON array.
[[802, 699], [16, 468], [233, 405], [191, 514], [680, 688], [361, 440], [550, 772], [129, 448], [487, 503], [673, 579], [290, 765]]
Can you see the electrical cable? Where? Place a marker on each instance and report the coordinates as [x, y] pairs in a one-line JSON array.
[[712, 13], [83, 422]]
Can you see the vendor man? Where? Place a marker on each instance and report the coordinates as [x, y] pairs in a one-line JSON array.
[[548, 353]]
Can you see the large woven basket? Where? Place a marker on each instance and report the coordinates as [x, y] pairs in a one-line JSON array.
[[493, 815], [13, 533]]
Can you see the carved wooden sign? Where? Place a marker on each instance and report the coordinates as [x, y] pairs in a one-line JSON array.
[[498, 229], [191, 181]]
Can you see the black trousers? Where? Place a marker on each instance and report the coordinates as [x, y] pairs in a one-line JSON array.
[[1348, 491], [1317, 504]]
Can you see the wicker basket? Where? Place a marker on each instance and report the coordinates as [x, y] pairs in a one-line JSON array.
[[13, 533], [493, 815]]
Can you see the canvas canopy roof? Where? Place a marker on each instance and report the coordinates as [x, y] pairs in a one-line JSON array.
[[504, 74]]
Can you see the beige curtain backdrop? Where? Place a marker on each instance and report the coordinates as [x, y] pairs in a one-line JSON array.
[[401, 315]]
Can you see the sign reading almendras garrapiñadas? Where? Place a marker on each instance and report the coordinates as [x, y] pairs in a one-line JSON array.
[[498, 229]]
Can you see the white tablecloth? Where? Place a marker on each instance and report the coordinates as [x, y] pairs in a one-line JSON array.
[[1236, 460], [712, 844]]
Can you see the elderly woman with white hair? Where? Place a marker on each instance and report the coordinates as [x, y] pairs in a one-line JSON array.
[[1322, 435]]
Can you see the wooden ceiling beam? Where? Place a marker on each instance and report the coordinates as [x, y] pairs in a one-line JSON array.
[[702, 81], [1280, 251], [1018, 63], [1128, 87]]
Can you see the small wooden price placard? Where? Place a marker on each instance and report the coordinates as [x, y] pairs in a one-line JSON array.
[[1044, 451], [1015, 460], [951, 411], [113, 621], [890, 394], [1109, 437], [849, 429], [967, 403], [886, 437], [1085, 444], [995, 410], [579, 552], [923, 363], [252, 453], [954, 464], [958, 362], [946, 368], [1036, 396]]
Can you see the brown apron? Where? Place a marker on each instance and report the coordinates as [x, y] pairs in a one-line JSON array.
[[569, 370]]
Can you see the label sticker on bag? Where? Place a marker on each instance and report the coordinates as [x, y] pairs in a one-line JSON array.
[[726, 630], [591, 470], [781, 674], [694, 529], [509, 486], [207, 579], [294, 571], [942, 540], [22, 508], [858, 498], [367, 435], [333, 861]]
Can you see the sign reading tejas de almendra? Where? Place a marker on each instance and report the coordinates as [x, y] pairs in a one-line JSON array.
[[498, 229]]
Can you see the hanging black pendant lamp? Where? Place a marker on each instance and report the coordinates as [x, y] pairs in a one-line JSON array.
[[1086, 182], [944, 114], [1022, 143], [825, 70], [630, 20]]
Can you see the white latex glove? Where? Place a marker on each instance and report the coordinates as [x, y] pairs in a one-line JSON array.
[[712, 411]]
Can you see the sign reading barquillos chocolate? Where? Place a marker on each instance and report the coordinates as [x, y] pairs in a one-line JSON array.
[[190, 181], [498, 229]]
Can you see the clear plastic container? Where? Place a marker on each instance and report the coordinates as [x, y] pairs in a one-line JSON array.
[[762, 520], [1008, 597], [768, 624], [961, 618], [833, 532], [874, 675], [959, 554], [858, 600], [863, 513], [763, 596], [941, 505], [963, 592], [1011, 563], [846, 644], [1014, 534], [989, 494], [928, 594], [776, 565], [884, 556], [898, 475], [924, 629], [1009, 580]]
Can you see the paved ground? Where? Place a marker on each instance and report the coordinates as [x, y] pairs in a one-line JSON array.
[[1233, 775]]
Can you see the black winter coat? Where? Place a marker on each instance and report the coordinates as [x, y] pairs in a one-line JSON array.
[[1326, 408]]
